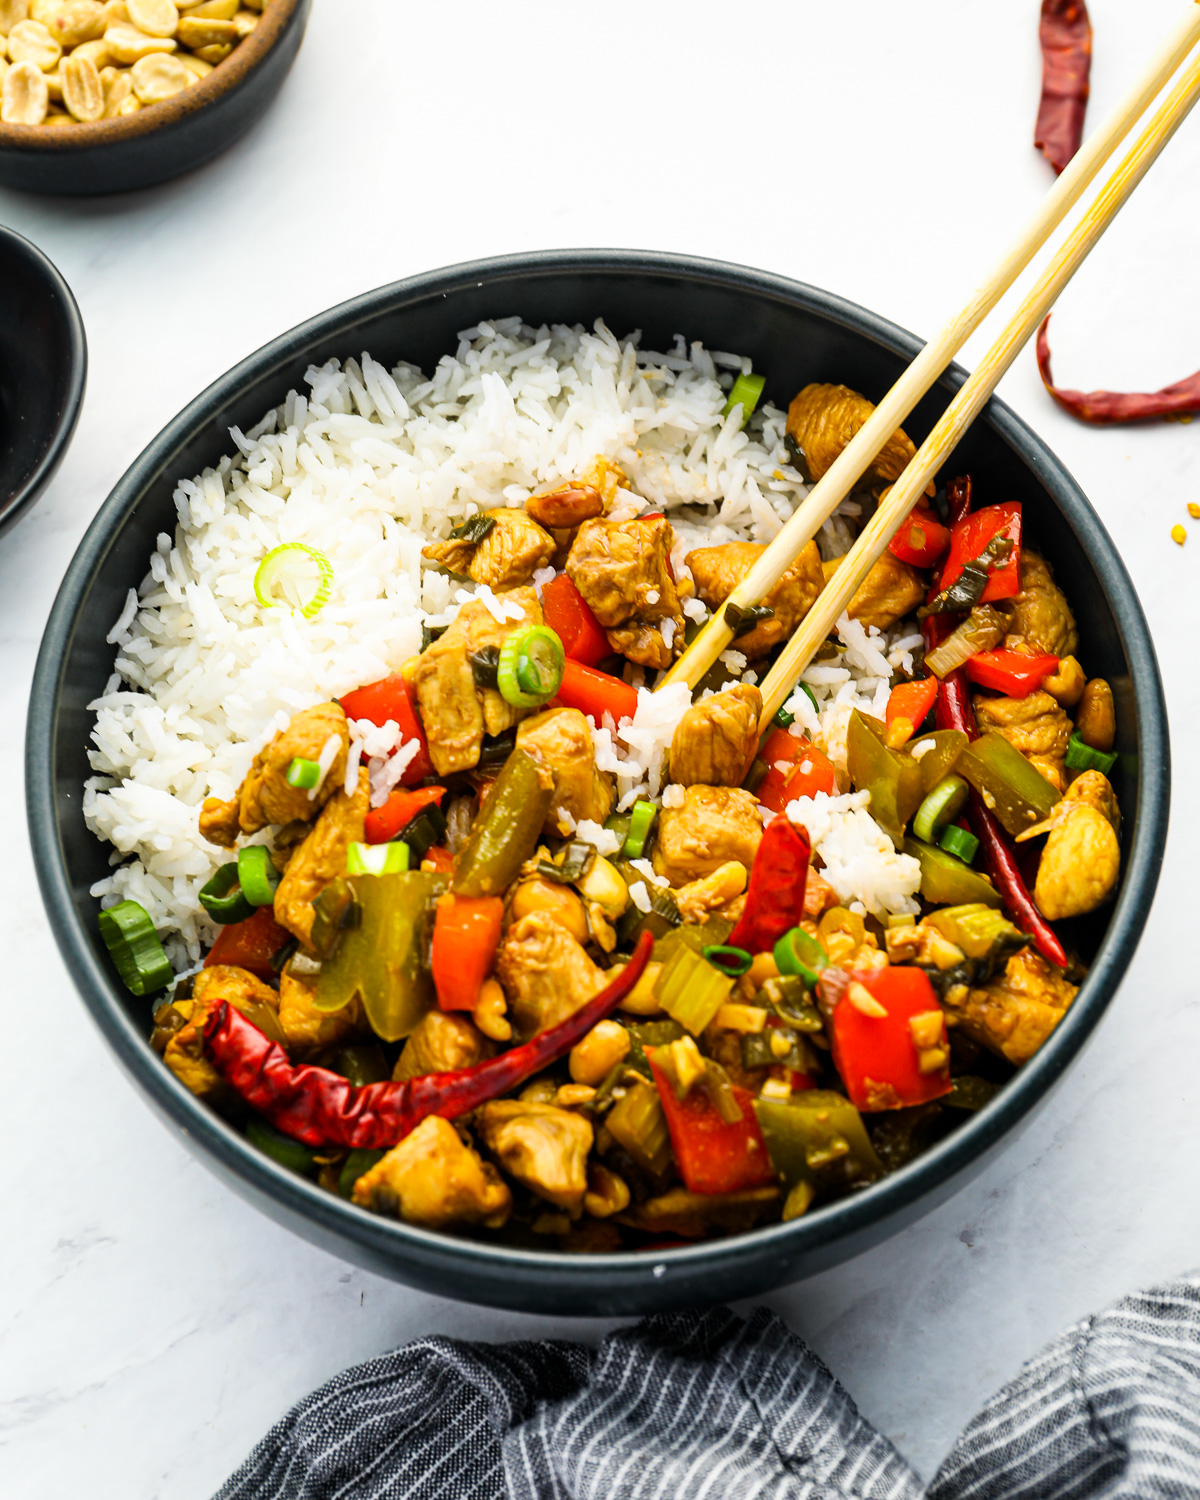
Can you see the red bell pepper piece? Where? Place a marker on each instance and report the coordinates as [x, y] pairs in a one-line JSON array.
[[402, 806], [1013, 673], [778, 788], [321, 1108], [393, 698], [250, 944], [714, 1156], [969, 538], [439, 859], [775, 894], [596, 693], [466, 934], [567, 614], [910, 701], [877, 1056], [921, 540]]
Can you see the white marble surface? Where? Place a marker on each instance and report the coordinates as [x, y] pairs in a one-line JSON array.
[[152, 1324]]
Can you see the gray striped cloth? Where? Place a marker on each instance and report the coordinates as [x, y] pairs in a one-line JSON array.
[[707, 1406]]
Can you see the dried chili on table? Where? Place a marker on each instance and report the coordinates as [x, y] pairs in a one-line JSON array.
[[321, 1108], [1103, 408], [1066, 37]]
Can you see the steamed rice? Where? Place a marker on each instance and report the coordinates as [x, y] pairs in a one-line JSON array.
[[367, 466]]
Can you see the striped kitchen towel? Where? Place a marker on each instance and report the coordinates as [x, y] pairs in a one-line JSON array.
[[708, 1407]]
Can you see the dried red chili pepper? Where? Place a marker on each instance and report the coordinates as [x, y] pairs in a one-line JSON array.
[[1106, 407], [321, 1108], [775, 894], [958, 498], [954, 711], [1066, 36]]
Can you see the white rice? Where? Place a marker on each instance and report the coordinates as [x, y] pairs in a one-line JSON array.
[[366, 465], [861, 863]]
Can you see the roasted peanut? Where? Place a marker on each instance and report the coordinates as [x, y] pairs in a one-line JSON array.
[[3, 70], [130, 105], [157, 77], [83, 93], [129, 45], [490, 1011], [557, 901], [29, 41], [1096, 721], [25, 97], [1066, 685], [117, 88], [199, 31], [218, 52], [54, 86], [245, 21], [196, 66], [592, 1059], [568, 506], [114, 11], [12, 12], [607, 1194], [97, 51], [641, 1000], [213, 10], [154, 17], [80, 21], [44, 10]]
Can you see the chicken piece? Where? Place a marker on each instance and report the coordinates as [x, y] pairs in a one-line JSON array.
[[891, 590], [433, 1178], [699, 897], [1041, 617], [455, 714], [692, 1215], [561, 739], [716, 740], [1079, 865], [545, 972], [622, 569], [541, 1145], [184, 1053], [715, 824], [513, 550], [305, 1028], [717, 571], [819, 895], [441, 1042], [265, 797], [1015, 1013], [823, 418], [1093, 789], [1036, 726], [321, 857]]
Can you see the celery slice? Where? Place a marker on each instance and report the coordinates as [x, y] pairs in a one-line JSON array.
[[692, 990]]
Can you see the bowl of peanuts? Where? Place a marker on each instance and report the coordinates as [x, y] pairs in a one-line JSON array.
[[101, 96]]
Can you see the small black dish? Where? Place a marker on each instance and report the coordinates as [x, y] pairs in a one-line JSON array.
[[795, 334], [43, 371], [168, 139]]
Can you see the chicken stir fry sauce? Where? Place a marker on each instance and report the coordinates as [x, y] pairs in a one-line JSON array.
[[614, 1018]]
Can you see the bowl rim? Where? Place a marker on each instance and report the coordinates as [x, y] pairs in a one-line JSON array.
[[225, 77], [415, 1254], [61, 294]]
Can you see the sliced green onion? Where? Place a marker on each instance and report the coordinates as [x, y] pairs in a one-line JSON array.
[[641, 820], [745, 393], [942, 806], [798, 952], [743, 618], [959, 842], [734, 961], [425, 830], [223, 898], [295, 575], [258, 876], [130, 938], [1081, 757], [531, 667], [291, 1154], [377, 859], [783, 719], [304, 774], [577, 856], [692, 990], [356, 1165]]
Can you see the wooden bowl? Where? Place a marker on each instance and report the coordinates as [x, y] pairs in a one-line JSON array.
[[167, 139]]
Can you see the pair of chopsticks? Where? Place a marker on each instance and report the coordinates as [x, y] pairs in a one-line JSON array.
[[917, 380]]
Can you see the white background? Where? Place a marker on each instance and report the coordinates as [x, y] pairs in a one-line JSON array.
[[152, 1325]]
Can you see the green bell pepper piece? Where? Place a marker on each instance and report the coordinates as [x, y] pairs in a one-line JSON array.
[[818, 1137], [893, 780], [946, 881], [1011, 788], [938, 761], [505, 833]]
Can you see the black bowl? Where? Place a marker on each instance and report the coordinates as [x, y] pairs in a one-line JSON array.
[[43, 371], [795, 334], [185, 131]]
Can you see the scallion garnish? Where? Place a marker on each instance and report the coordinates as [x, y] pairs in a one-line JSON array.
[[960, 843], [296, 575], [257, 876], [1081, 757], [223, 898], [731, 961], [641, 820], [798, 952], [377, 859], [745, 393], [530, 668], [130, 938], [304, 774]]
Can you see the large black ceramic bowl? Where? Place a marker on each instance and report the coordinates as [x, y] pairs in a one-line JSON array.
[[43, 371], [795, 334]]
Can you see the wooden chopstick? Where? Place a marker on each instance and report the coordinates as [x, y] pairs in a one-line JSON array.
[[833, 487], [975, 393]]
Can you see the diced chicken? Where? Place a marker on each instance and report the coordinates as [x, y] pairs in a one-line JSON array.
[[1014, 1014], [265, 796], [717, 571], [1079, 865], [321, 857], [716, 740], [305, 1028], [715, 824], [891, 590], [1036, 726], [541, 1145], [184, 1053], [711, 892], [456, 714], [546, 974], [442, 1041], [1093, 789], [1041, 617], [433, 1178], [561, 739], [622, 569], [823, 418], [509, 555]]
